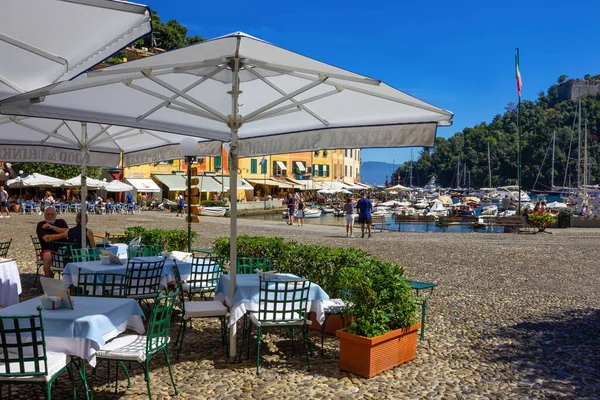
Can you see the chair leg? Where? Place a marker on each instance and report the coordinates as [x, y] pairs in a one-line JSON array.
[[182, 328], [170, 372], [258, 341], [323, 334], [147, 379], [307, 345]]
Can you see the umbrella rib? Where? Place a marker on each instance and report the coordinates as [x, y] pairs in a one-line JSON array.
[[45, 132], [184, 95], [272, 104], [32, 49], [12, 85], [104, 129], [287, 69], [196, 113], [299, 105], [70, 130], [185, 90], [165, 98], [156, 136], [175, 67], [282, 92]]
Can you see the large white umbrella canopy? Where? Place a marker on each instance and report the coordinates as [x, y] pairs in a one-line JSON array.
[[117, 186], [90, 183], [239, 89], [44, 41], [35, 180], [398, 188]]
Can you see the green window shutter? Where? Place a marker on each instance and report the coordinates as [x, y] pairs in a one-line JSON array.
[[253, 166], [263, 168], [218, 162], [321, 170]]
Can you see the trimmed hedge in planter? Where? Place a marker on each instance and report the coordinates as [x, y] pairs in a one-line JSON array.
[[171, 240]]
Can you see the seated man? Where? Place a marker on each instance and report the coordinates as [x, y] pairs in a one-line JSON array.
[[74, 234], [50, 230]]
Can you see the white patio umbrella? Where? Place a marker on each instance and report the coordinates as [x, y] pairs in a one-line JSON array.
[[117, 186], [35, 180], [90, 183], [398, 188], [43, 42], [239, 89]]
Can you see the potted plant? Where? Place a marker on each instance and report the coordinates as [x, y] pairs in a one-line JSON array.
[[383, 334]]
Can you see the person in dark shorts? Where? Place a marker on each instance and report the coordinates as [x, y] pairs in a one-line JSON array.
[[50, 230], [291, 207], [364, 207]]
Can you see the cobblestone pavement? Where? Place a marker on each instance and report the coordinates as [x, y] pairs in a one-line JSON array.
[[514, 316]]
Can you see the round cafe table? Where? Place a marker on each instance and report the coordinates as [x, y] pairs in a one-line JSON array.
[[10, 282]]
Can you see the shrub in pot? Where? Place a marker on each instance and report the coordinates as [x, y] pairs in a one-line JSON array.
[[384, 331]]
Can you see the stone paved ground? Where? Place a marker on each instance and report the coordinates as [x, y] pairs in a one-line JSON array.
[[514, 316]]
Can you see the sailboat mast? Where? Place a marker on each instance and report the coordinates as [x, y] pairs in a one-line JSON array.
[[465, 175], [411, 167], [585, 167], [458, 173], [553, 146], [489, 165], [579, 144]]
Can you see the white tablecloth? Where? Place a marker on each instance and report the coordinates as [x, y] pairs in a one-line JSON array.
[[10, 282]]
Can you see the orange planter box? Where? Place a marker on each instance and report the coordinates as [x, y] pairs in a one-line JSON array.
[[368, 357], [334, 323]]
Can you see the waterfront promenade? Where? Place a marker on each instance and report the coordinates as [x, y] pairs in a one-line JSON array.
[[514, 316]]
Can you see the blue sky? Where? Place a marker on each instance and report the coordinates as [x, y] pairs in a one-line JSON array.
[[458, 55]]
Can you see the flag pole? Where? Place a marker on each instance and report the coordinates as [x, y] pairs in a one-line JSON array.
[[519, 86]]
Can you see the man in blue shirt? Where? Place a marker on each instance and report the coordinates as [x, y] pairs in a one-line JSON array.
[[364, 207], [129, 198]]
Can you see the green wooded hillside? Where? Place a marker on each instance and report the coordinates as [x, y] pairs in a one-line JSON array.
[[539, 119]]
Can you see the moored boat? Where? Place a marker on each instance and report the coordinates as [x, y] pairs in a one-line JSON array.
[[213, 211]]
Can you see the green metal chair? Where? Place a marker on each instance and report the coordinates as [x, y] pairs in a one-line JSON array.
[[204, 276], [142, 348], [145, 250], [61, 256], [199, 309], [101, 284], [4, 246], [38, 261], [282, 304], [333, 307], [23, 359], [87, 254], [142, 278], [249, 265]]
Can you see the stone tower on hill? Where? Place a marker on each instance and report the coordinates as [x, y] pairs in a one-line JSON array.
[[572, 89]]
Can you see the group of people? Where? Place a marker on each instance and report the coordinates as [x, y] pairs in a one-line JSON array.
[[364, 206], [295, 204], [53, 229]]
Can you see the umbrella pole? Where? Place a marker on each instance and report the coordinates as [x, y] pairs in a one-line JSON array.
[[234, 125], [83, 188]]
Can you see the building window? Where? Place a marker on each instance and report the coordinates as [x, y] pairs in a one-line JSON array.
[[280, 168], [351, 171], [218, 162], [263, 167], [253, 166], [345, 170]]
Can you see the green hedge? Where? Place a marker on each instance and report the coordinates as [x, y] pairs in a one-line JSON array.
[[381, 296], [171, 240]]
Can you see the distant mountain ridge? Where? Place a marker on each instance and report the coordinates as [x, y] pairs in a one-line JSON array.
[[374, 172]]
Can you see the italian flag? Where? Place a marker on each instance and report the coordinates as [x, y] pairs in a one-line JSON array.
[[519, 82]]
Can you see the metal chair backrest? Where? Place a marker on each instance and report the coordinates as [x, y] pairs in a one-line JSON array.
[[145, 250], [143, 277], [87, 254], [36, 244], [61, 254], [4, 246], [205, 274], [179, 287], [101, 284], [159, 324], [283, 300], [23, 346], [249, 265]]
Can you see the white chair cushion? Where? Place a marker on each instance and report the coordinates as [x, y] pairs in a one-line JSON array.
[[56, 362], [126, 347], [334, 306], [297, 321], [201, 309]]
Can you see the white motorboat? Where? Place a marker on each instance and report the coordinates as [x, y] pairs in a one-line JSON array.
[[213, 211], [438, 209], [327, 210], [489, 210], [513, 194], [312, 213], [421, 204]]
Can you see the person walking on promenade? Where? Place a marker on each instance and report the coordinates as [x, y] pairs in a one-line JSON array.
[[4, 202], [364, 207], [349, 217], [290, 205], [300, 206]]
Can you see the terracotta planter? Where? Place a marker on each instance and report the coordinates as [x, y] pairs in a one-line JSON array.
[[334, 323], [368, 357]]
